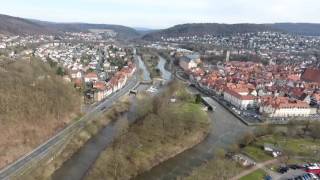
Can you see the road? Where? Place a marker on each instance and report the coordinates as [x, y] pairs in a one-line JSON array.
[[45, 148], [256, 167], [79, 164]]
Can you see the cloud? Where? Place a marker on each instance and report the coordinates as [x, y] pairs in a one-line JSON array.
[[164, 13]]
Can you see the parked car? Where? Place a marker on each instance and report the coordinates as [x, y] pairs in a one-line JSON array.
[[294, 166], [283, 169], [268, 178]]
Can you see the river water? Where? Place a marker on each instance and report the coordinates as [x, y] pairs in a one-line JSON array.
[[78, 165], [226, 130], [145, 72], [166, 75]]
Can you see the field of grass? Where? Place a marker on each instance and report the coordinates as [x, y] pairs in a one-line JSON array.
[[306, 147], [300, 149], [161, 131], [256, 175], [35, 103], [256, 153]]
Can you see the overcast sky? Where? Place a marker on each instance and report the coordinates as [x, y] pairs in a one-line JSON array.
[[165, 13]]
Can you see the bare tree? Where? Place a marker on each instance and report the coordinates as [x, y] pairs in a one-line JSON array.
[[121, 128], [314, 130], [248, 138]]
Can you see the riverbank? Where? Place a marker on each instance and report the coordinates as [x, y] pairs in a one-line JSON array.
[[162, 130], [46, 170]]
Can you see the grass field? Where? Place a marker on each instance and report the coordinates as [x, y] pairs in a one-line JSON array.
[[304, 148], [256, 153], [256, 175]]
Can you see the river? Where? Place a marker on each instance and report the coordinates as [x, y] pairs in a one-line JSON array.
[[78, 165], [166, 75], [145, 72], [225, 131]]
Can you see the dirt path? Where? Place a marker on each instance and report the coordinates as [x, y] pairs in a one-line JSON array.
[[256, 167]]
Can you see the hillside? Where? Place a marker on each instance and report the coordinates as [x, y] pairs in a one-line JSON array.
[[16, 26], [34, 105], [123, 31], [228, 29], [19, 26], [205, 29], [299, 28]]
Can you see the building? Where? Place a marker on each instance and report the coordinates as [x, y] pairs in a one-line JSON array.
[[285, 107], [190, 61], [91, 77], [311, 75], [239, 97]]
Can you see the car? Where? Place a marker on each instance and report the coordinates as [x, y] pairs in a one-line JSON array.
[[268, 178], [283, 170], [313, 176], [294, 166]]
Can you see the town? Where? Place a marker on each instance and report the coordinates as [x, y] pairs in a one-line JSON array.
[[247, 102], [98, 69]]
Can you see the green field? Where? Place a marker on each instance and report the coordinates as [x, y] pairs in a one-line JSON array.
[[304, 148], [256, 175], [256, 153]]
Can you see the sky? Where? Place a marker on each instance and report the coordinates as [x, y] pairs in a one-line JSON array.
[[165, 13]]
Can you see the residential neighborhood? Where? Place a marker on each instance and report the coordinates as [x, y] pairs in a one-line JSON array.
[[269, 91]]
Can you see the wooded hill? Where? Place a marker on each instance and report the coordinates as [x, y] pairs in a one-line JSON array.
[[34, 104]]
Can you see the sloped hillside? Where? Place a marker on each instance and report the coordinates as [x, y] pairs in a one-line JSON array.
[[201, 29], [34, 105], [18, 26]]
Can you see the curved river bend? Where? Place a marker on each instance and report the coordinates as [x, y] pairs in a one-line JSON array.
[[225, 131]]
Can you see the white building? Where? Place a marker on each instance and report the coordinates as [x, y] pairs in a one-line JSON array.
[[284, 107], [239, 98]]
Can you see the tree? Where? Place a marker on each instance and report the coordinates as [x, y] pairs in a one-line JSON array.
[[198, 99], [144, 107], [234, 148], [263, 130], [157, 102], [60, 71], [220, 153], [288, 154], [248, 138], [306, 127], [292, 129], [315, 130], [121, 128]]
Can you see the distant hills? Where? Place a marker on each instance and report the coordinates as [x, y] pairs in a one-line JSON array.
[[200, 29], [20, 26], [307, 29]]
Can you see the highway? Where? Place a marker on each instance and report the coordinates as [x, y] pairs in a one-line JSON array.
[[44, 149]]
